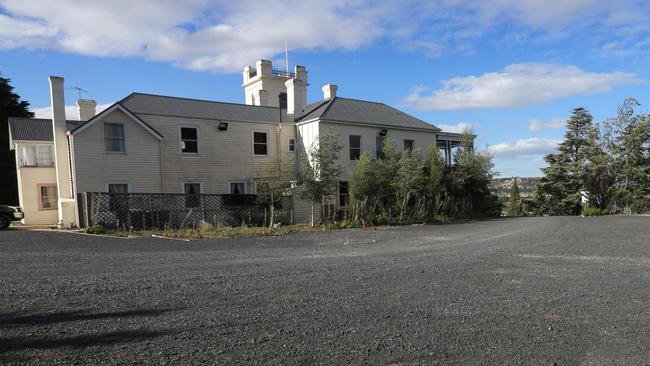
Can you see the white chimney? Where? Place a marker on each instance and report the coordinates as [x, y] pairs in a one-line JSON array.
[[329, 91], [86, 109], [296, 96], [61, 160]]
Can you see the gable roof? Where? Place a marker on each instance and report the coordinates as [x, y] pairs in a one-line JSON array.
[[34, 129], [361, 111], [141, 103], [117, 106]]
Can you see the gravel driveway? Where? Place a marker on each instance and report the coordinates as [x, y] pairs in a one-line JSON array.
[[568, 290]]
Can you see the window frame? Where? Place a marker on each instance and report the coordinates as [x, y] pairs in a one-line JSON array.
[[268, 143], [188, 194], [292, 145], [350, 148], [40, 197], [180, 141], [108, 184], [412, 141], [237, 182], [341, 195], [123, 152], [21, 153]]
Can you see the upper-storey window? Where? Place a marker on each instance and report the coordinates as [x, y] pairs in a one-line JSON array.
[[408, 145], [283, 100], [260, 143], [355, 147], [189, 140], [37, 156], [114, 137], [292, 145], [380, 146]]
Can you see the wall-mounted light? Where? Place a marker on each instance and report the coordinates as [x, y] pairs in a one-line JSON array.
[[383, 132], [223, 126]]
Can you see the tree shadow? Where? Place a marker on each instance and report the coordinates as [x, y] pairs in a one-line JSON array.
[[9, 320], [21, 343]]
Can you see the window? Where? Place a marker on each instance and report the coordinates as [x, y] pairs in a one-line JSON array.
[[237, 188], [380, 146], [292, 145], [192, 194], [37, 155], [47, 197], [118, 188], [283, 100], [114, 137], [260, 143], [189, 140], [344, 194], [355, 147], [408, 145]]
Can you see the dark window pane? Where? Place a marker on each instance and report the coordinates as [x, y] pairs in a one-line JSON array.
[[259, 137], [190, 146], [292, 145], [259, 149], [355, 141], [283, 100], [380, 146], [408, 145], [188, 133]]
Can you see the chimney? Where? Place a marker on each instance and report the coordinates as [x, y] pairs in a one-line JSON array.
[[86, 109], [296, 96], [329, 91], [61, 161]]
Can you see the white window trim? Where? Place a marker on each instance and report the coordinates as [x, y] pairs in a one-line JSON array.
[[268, 144], [128, 186], [198, 141], [360, 147], [199, 183], [104, 138], [238, 181]]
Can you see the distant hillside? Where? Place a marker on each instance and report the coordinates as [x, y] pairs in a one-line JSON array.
[[526, 185]]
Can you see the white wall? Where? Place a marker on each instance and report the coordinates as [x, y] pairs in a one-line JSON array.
[[95, 168]]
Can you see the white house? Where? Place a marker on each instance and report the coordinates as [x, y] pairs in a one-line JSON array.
[[160, 144]]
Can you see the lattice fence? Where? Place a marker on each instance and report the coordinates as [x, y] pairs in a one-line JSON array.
[[142, 211]]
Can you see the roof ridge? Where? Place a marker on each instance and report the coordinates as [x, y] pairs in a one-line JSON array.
[[194, 99]]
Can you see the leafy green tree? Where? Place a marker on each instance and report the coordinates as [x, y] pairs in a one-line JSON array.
[[436, 181], [514, 201], [273, 179], [10, 106], [409, 185], [319, 173]]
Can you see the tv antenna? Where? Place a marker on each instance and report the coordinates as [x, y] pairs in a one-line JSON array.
[[79, 90]]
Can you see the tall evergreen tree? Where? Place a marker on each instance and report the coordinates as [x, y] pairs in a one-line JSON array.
[[514, 201], [571, 170], [10, 106]]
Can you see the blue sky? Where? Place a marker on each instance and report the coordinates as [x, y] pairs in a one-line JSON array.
[[511, 69]]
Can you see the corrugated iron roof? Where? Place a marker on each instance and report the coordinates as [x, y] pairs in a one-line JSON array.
[[140, 103], [34, 129], [362, 111]]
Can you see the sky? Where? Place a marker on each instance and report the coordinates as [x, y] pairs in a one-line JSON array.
[[512, 70]]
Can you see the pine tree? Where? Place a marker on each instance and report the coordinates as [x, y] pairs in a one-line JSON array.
[[514, 201], [10, 106]]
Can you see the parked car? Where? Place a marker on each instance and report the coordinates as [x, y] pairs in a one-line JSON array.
[[9, 214]]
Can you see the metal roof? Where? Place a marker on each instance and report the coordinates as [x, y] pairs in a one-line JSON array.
[[362, 111], [140, 103], [34, 129]]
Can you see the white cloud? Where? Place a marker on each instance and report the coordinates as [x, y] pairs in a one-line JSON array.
[[224, 35], [71, 111], [457, 128], [536, 124], [198, 34], [515, 86], [525, 147]]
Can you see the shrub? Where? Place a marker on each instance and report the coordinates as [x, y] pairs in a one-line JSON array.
[[594, 211], [97, 229]]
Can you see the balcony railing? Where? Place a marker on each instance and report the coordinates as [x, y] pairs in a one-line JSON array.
[[283, 73]]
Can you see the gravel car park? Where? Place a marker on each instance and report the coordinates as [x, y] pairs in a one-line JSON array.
[[565, 290]]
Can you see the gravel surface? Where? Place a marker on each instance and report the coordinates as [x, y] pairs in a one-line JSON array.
[[566, 290]]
